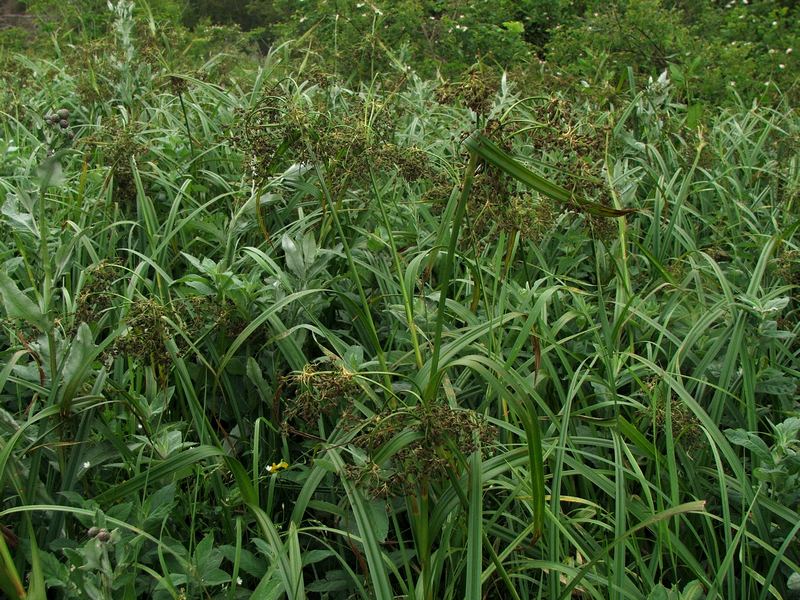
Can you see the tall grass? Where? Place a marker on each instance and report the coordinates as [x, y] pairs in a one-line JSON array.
[[272, 337]]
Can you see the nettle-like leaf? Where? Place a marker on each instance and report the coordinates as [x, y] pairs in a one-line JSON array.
[[378, 518], [751, 441], [793, 582], [775, 383], [303, 256], [294, 256], [768, 331], [786, 433], [764, 308], [18, 210], [50, 172], [207, 560], [19, 306]]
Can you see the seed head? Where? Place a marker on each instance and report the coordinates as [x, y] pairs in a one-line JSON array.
[[93, 531], [63, 113], [103, 535], [64, 123]]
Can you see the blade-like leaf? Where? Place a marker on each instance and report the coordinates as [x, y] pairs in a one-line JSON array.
[[175, 466], [491, 153]]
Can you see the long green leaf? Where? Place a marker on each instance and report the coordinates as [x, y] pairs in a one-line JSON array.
[[177, 466], [491, 153], [688, 507], [474, 529]]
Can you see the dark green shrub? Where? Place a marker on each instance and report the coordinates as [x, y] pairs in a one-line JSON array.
[[711, 50], [429, 36]]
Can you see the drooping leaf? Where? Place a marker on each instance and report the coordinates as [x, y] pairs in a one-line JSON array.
[[17, 304], [491, 153], [18, 210]]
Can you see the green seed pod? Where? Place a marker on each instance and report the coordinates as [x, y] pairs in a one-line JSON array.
[[63, 113]]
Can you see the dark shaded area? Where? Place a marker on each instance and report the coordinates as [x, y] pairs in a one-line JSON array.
[[12, 14], [257, 17]]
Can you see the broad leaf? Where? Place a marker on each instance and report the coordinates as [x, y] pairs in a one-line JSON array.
[[18, 306]]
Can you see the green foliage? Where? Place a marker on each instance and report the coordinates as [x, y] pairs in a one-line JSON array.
[[268, 331], [779, 464], [692, 591], [714, 52], [365, 38], [12, 39]]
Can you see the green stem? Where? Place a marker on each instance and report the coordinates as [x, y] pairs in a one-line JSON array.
[[44, 253], [407, 301], [420, 511], [186, 123], [447, 272], [354, 271]]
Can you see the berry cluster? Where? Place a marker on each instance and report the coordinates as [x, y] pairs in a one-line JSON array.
[[100, 534], [60, 120]]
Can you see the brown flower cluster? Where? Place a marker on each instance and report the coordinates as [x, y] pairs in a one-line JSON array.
[[318, 392], [97, 295], [476, 90], [439, 433]]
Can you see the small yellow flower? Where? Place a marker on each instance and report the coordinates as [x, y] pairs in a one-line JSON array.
[[277, 466]]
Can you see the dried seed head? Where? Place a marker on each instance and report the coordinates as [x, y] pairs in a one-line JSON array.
[[63, 113], [64, 123], [93, 531], [103, 535], [428, 458]]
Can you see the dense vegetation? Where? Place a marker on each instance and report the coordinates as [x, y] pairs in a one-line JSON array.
[[320, 321]]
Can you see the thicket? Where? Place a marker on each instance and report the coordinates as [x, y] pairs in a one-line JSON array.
[[713, 50], [310, 323], [716, 52]]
